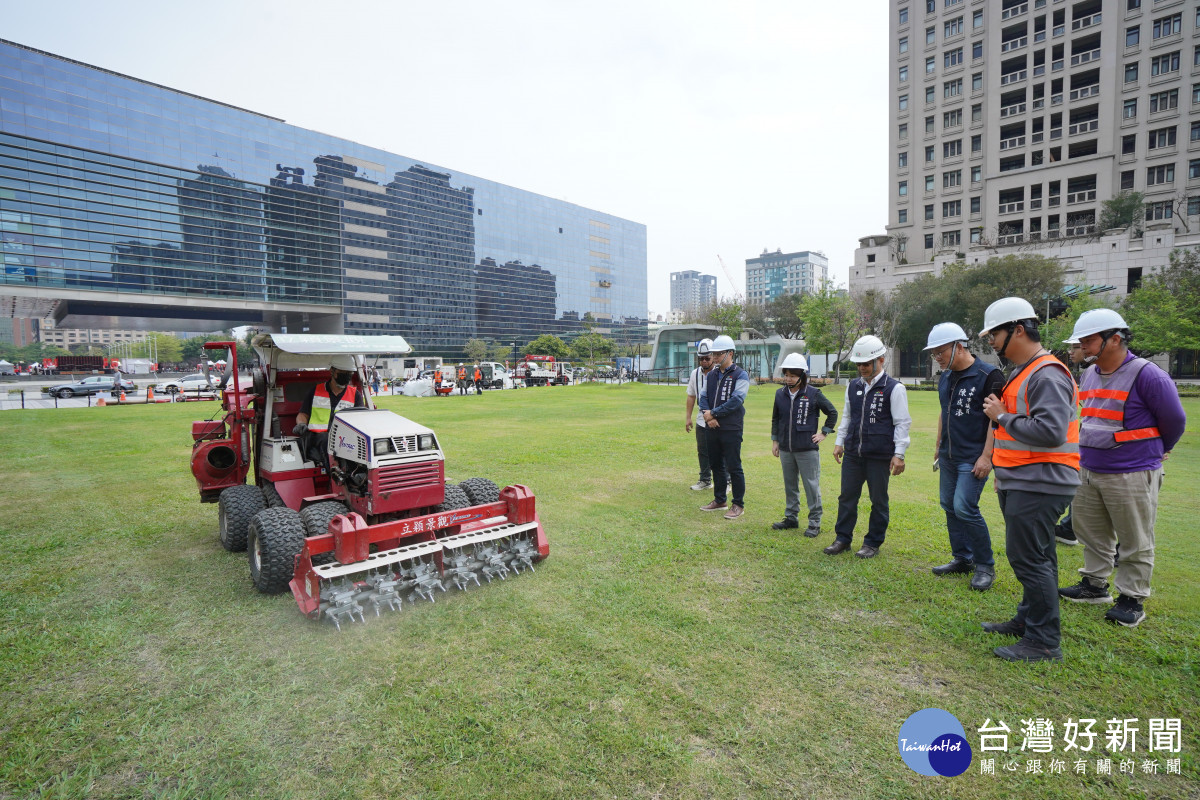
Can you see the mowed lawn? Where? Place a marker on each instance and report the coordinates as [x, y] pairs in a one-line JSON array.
[[660, 652]]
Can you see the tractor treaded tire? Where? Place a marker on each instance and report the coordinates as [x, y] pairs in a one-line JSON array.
[[315, 519], [455, 498], [236, 507], [480, 491], [271, 495], [275, 538]]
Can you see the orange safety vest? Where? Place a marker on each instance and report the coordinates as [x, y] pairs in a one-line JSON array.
[[478, 375], [1009, 452], [318, 420]]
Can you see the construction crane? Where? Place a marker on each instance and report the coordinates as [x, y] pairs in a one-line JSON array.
[[728, 275]]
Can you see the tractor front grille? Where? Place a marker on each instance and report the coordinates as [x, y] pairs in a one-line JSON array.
[[396, 477]]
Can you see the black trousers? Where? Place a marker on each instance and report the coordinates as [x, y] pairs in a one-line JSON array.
[[725, 457], [876, 473], [1029, 519]]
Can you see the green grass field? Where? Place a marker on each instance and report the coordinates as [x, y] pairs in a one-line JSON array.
[[660, 652]]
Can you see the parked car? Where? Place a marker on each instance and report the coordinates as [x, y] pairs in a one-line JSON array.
[[94, 384], [189, 384]]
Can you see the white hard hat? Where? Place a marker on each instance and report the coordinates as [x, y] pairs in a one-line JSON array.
[[868, 348], [945, 333], [1006, 309], [722, 343], [1097, 320], [794, 361], [704, 347], [346, 363]]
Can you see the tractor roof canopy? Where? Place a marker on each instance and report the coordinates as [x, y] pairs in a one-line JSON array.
[[312, 350]]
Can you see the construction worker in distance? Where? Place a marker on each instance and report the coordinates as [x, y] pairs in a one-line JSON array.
[[871, 439], [1131, 420], [963, 451], [478, 376], [723, 407], [461, 379], [1064, 531], [795, 438], [325, 400], [1036, 460], [696, 386]]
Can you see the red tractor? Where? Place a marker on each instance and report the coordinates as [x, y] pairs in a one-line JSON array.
[[373, 522]]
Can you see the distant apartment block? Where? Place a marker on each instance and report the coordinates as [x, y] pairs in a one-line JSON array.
[[1012, 122], [773, 275], [692, 292]]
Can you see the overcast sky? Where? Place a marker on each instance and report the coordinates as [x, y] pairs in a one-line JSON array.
[[724, 127]]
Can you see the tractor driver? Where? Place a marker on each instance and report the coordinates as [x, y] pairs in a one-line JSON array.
[[325, 400]]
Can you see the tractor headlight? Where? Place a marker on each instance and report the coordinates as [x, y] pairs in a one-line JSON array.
[[384, 446], [426, 442]]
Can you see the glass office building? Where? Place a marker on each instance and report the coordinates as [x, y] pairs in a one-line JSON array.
[[110, 184]]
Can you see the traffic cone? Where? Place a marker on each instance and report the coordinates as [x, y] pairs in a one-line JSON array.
[[122, 395], [149, 394]]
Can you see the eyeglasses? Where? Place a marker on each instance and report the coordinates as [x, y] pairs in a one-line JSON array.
[[991, 337], [941, 351]]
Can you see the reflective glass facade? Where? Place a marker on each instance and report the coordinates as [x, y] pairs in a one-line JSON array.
[[111, 183]]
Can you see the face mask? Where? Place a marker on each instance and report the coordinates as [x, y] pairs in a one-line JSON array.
[[342, 378]]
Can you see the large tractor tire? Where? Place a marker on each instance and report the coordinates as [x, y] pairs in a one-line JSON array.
[[480, 491], [275, 538], [236, 506], [455, 498], [315, 519], [271, 496]]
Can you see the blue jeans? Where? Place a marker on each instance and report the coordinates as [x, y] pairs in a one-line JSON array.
[[960, 491]]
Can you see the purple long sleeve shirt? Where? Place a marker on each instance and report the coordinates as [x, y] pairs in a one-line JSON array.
[[1153, 403]]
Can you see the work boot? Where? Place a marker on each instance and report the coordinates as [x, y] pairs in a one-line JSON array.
[[734, 511], [714, 506], [867, 551], [957, 566], [1010, 628], [1025, 650], [838, 546], [1085, 592], [784, 524], [813, 531], [983, 578], [1128, 611]]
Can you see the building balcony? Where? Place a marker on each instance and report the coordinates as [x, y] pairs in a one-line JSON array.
[[1086, 22], [1011, 208], [1013, 110], [1010, 143], [1014, 77], [1014, 44], [1086, 196], [1011, 238], [1014, 12], [1085, 57], [1080, 230], [1083, 127], [1085, 91]]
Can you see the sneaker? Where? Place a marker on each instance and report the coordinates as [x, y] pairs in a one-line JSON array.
[[1065, 536], [1084, 592], [784, 524], [700, 486], [813, 531], [1010, 628], [714, 506], [1128, 612], [734, 511], [1025, 650]]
